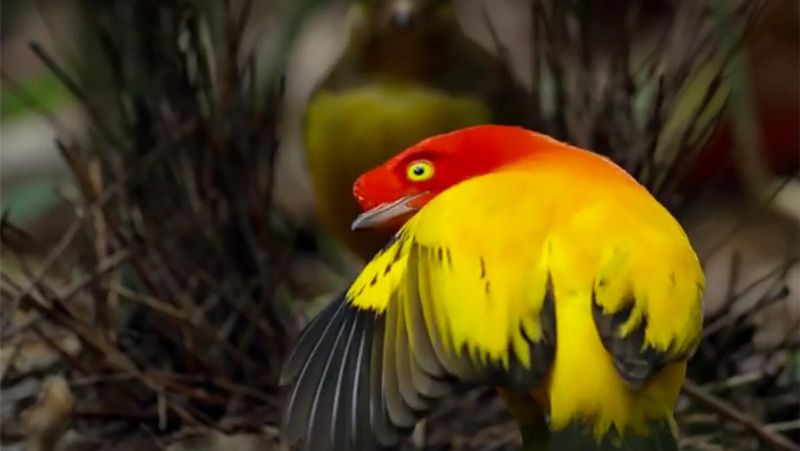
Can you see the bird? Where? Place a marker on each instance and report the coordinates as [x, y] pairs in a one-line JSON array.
[[518, 262], [408, 72]]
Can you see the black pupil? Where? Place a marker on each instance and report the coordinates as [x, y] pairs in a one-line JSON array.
[[418, 170]]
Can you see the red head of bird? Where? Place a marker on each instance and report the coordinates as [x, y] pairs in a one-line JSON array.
[[390, 193]]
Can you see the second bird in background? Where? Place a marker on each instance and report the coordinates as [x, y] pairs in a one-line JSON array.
[[408, 72]]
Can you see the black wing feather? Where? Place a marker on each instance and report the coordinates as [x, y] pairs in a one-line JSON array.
[[634, 360], [361, 432], [301, 397], [385, 431], [400, 413], [340, 418], [405, 376], [318, 432], [308, 340]]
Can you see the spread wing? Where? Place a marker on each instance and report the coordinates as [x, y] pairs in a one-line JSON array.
[[468, 292], [439, 306]]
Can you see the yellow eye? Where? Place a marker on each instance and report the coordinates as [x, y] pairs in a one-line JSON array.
[[419, 171]]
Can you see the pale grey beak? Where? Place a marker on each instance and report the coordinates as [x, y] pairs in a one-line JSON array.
[[385, 212]]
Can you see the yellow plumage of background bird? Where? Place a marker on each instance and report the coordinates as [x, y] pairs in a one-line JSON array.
[[407, 73], [523, 263]]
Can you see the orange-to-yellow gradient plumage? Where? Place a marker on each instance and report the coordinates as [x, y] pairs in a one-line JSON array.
[[523, 263]]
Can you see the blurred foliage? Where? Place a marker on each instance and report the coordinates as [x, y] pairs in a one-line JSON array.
[[47, 90]]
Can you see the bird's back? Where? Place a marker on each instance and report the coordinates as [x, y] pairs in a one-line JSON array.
[[556, 277], [625, 284]]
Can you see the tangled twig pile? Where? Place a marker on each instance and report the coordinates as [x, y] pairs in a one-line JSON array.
[[168, 281]]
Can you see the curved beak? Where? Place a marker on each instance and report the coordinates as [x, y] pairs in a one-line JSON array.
[[387, 214]]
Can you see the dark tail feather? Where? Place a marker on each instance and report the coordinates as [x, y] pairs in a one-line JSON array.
[[578, 436]]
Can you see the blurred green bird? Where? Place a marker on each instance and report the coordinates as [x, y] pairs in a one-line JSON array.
[[408, 73]]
